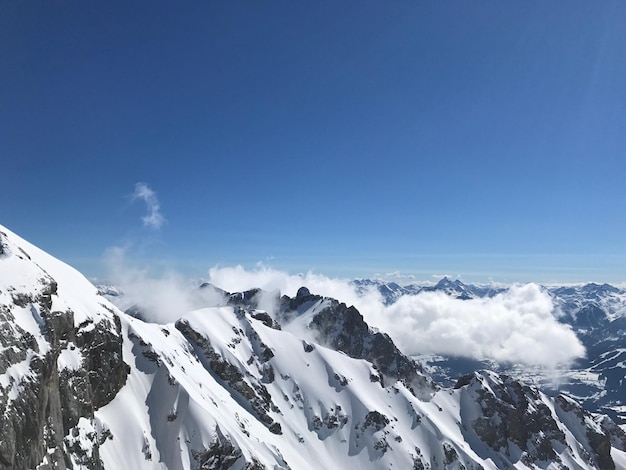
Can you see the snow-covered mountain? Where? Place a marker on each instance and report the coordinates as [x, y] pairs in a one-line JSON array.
[[307, 385], [596, 313], [583, 306], [591, 305], [392, 291]]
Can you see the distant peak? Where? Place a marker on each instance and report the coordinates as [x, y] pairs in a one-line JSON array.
[[303, 292]]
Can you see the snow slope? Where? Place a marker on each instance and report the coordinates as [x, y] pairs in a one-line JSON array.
[[226, 387]]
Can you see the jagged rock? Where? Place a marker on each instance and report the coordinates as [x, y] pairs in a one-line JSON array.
[[137, 312], [221, 455], [255, 394], [376, 420], [48, 411], [102, 352], [516, 413], [303, 293], [600, 436], [617, 434], [343, 328], [266, 319], [248, 299]]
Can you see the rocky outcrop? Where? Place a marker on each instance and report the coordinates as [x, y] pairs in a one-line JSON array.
[[344, 329], [31, 421], [47, 406], [223, 455], [252, 392], [512, 415], [600, 432]]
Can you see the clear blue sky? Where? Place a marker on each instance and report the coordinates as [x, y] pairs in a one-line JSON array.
[[486, 139]]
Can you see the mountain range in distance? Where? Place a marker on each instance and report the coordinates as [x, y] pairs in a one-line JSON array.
[[595, 312]]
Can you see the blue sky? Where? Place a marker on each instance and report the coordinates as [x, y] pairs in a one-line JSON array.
[[481, 139]]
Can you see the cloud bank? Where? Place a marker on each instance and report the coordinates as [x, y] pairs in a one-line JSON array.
[[162, 298], [517, 326], [153, 219]]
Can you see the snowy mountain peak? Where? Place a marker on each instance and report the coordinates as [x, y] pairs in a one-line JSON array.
[[446, 282], [86, 386]]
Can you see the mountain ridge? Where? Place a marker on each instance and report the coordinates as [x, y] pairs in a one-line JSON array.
[[225, 387]]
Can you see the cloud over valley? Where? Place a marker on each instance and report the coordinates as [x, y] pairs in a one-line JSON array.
[[517, 325]]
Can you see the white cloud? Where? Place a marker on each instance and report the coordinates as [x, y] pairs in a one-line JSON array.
[[163, 298], [153, 219], [237, 279], [515, 326]]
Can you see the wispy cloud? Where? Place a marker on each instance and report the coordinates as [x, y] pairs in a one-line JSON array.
[[162, 297], [153, 219], [399, 276]]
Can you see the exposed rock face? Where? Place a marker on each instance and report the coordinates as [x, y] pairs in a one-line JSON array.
[[47, 404], [223, 455], [247, 299], [344, 329], [102, 352], [85, 386], [52, 400], [513, 413], [600, 432], [252, 392], [266, 319], [32, 421]]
